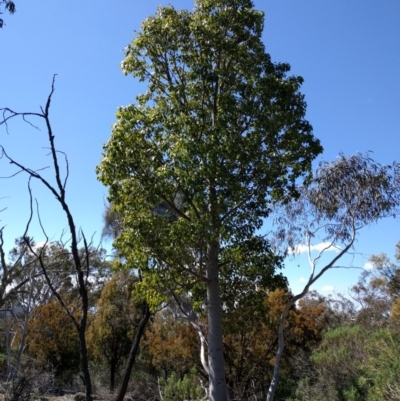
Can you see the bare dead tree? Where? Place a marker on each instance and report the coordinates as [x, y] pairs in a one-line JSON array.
[[79, 261], [344, 197]]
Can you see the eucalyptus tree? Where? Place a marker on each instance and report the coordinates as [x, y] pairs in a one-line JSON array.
[[195, 163], [344, 197]]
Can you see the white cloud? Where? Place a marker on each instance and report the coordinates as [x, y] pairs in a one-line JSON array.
[[368, 265], [302, 280], [327, 288], [326, 246]]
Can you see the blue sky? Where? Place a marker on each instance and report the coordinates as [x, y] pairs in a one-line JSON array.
[[348, 52]]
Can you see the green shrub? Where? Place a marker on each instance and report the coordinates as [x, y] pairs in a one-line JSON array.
[[187, 388]]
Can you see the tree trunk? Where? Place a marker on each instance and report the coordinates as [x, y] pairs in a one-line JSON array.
[[27, 314], [113, 369], [217, 382], [84, 362], [133, 352], [281, 342], [8, 345]]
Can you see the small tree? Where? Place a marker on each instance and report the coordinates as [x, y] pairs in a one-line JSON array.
[[171, 345], [114, 323], [52, 340]]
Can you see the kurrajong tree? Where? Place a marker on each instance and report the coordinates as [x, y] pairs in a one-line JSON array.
[[195, 164]]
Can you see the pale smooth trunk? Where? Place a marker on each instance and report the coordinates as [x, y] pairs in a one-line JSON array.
[[218, 390], [281, 346]]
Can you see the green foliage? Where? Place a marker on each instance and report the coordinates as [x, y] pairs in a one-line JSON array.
[[360, 358], [219, 135], [354, 364], [382, 368], [343, 197], [112, 329], [187, 388], [249, 272]]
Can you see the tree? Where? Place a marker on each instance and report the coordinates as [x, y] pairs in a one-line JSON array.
[[79, 259], [375, 297], [21, 288], [17, 271], [195, 165], [114, 323], [344, 197], [251, 342], [52, 340], [26, 291], [134, 350], [112, 228]]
